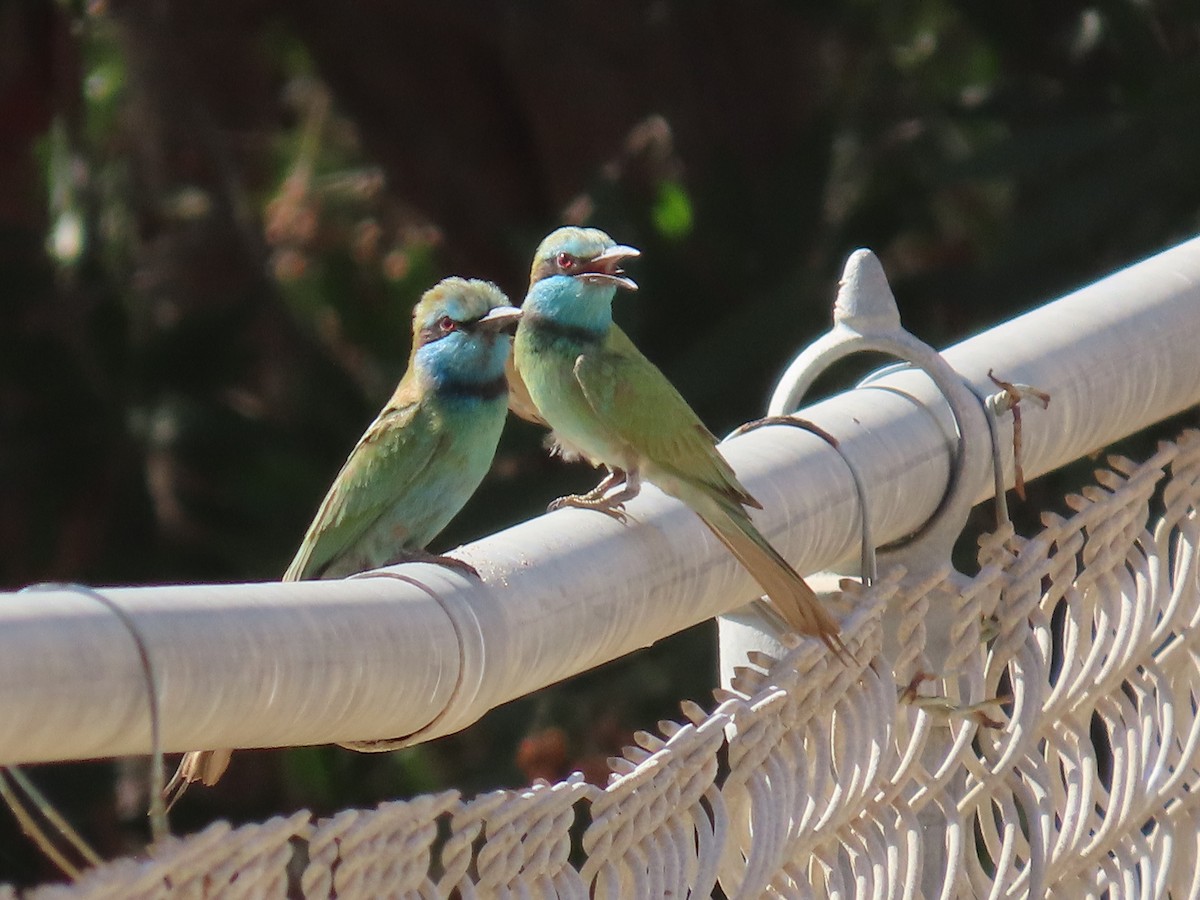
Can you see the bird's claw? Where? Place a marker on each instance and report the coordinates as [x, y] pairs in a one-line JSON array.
[[585, 501]]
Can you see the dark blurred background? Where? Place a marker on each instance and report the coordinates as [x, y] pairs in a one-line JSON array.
[[215, 218]]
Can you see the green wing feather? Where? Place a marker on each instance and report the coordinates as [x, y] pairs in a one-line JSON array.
[[393, 454], [632, 399], [635, 401]]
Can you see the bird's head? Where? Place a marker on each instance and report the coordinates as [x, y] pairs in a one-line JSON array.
[[462, 330], [575, 275], [587, 255]]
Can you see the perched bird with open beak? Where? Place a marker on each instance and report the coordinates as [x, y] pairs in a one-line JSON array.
[[609, 404], [417, 464]]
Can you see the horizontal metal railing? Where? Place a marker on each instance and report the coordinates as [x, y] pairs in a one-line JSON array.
[[421, 651]]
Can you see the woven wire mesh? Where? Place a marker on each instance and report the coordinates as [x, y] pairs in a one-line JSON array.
[[1055, 751]]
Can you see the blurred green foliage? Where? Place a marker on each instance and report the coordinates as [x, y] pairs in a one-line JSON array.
[[214, 220]]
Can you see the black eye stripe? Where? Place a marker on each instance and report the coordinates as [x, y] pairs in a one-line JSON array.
[[435, 332]]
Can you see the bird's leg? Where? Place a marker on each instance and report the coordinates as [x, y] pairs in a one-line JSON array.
[[614, 478], [631, 486], [611, 504], [598, 497], [611, 480], [410, 555]]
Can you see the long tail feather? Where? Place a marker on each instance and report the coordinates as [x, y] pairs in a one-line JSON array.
[[206, 766], [793, 598]]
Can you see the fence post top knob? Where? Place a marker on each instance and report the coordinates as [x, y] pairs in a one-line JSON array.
[[864, 300]]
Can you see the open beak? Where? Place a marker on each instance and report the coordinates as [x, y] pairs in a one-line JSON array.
[[500, 319], [606, 268]]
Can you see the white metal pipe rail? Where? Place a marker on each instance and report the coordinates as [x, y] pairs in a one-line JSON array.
[[427, 651]]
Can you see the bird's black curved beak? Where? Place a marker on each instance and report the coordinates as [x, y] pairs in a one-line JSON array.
[[606, 267]]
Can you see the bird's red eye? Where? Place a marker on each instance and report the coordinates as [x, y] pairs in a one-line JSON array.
[[446, 324], [565, 261]]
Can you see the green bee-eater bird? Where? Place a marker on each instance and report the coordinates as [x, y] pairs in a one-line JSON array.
[[417, 464], [609, 404]]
